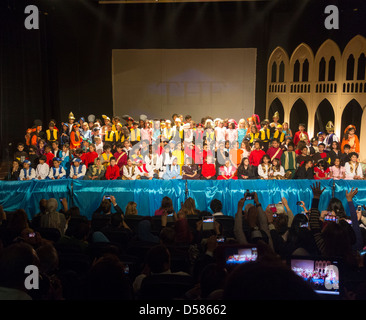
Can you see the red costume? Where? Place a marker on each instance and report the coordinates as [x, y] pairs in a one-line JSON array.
[[112, 172], [255, 157]]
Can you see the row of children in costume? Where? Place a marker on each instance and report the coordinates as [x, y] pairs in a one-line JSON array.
[[289, 158]]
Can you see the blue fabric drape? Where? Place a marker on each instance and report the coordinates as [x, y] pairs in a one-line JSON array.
[[27, 194], [341, 186], [87, 195]]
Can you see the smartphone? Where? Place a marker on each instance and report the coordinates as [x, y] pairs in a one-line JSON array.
[[248, 195], [304, 225], [208, 223], [107, 197], [298, 203], [61, 200], [240, 254], [221, 239], [349, 221], [359, 208], [331, 218], [31, 235]]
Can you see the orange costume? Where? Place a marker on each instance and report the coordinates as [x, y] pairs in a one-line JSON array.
[[75, 139], [353, 140]]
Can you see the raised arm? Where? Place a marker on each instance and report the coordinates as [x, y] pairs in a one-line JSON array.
[[238, 225], [355, 224]]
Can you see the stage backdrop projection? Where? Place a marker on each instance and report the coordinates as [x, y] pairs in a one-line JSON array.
[[198, 82]]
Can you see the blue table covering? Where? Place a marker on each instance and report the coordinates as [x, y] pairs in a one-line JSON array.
[[87, 195]]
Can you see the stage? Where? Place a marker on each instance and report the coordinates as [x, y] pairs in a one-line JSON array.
[[87, 195]]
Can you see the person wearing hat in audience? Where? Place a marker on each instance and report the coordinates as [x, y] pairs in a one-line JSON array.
[[51, 133], [43, 168], [71, 121], [135, 134], [57, 171], [77, 169], [351, 139], [75, 137], [27, 172]]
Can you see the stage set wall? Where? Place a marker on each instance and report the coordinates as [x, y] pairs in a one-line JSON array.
[[66, 65], [87, 195]]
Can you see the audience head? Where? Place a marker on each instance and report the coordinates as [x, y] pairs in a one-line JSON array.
[[216, 205], [158, 259]]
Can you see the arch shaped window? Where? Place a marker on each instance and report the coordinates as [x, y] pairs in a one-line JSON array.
[[281, 75], [305, 71], [331, 69], [296, 76], [350, 67], [274, 72], [322, 70], [361, 67]]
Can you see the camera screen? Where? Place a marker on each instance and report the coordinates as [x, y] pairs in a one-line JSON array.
[[321, 275], [331, 218], [239, 255]]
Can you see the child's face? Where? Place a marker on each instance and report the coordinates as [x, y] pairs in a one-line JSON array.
[[41, 161], [346, 150], [76, 163], [257, 145], [64, 149], [275, 144], [56, 164], [354, 158], [321, 148], [337, 162], [113, 162], [315, 143], [54, 145], [20, 148], [25, 165]]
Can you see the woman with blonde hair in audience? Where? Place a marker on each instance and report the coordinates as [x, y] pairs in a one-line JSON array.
[[131, 208], [190, 206]]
